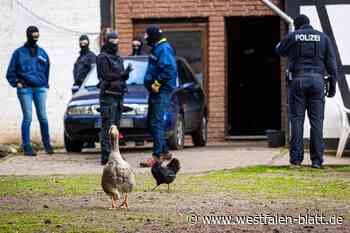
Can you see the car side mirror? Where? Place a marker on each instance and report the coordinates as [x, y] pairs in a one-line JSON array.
[[75, 88]]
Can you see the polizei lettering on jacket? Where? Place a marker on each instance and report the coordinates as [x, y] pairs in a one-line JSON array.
[[308, 37]]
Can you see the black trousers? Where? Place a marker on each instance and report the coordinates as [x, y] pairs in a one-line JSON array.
[[111, 107], [306, 93]]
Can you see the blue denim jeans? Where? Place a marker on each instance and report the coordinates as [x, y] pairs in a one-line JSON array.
[[306, 94], [158, 104], [37, 95]]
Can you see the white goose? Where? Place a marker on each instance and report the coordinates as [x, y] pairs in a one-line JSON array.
[[118, 177]]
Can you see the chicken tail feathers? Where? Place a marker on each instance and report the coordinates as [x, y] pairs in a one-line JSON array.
[[174, 165]]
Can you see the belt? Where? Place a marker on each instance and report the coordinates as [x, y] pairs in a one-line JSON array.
[[311, 73]]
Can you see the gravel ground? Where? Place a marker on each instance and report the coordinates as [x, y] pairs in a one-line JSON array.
[[193, 160]]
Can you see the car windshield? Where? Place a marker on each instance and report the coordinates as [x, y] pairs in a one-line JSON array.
[[135, 78]]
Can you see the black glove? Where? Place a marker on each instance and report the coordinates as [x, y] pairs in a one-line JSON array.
[[331, 90], [127, 71]]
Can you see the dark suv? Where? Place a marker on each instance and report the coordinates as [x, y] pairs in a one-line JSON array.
[[187, 113]]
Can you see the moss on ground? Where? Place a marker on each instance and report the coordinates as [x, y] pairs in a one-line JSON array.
[[270, 182], [279, 182], [91, 220], [48, 221], [330, 183]]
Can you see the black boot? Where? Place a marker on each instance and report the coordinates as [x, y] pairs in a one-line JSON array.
[[28, 150], [48, 149]]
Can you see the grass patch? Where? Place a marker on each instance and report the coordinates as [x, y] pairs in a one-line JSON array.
[[280, 182], [54, 185], [267, 181], [93, 220], [59, 185], [54, 221]]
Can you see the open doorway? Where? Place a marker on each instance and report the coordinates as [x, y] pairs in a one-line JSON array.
[[254, 84]]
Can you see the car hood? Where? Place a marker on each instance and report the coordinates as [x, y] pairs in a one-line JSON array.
[[137, 94]]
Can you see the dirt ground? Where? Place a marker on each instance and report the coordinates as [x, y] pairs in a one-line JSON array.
[[180, 210], [172, 212]]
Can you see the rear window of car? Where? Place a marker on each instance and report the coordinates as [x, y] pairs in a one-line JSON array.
[[136, 77]]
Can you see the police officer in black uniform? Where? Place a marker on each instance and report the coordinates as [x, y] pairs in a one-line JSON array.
[[112, 77], [311, 57], [83, 64]]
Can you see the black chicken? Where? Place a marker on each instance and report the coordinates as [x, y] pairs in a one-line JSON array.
[[165, 175]]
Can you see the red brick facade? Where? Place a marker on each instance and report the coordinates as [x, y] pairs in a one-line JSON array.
[[213, 10]]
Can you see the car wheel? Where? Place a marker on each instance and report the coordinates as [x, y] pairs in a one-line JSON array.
[[72, 145], [200, 137], [177, 139]]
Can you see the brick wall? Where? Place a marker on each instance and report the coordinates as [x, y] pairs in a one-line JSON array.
[[215, 11]]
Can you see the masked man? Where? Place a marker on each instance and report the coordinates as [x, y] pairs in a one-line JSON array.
[[28, 72], [112, 77], [137, 47], [84, 62], [160, 81], [311, 56]]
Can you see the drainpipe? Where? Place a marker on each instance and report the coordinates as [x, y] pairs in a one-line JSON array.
[[282, 14], [291, 28]]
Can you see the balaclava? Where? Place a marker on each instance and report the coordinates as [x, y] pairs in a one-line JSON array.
[[111, 45], [83, 46], [31, 40], [300, 21], [153, 35], [137, 46]]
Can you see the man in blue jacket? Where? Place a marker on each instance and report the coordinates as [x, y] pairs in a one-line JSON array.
[[160, 81], [28, 72], [311, 56]]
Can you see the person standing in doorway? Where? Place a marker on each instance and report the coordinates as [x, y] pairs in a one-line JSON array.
[[112, 77], [137, 47], [83, 64], [160, 81], [311, 56], [28, 72]]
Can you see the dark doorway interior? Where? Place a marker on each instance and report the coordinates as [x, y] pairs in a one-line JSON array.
[[254, 85]]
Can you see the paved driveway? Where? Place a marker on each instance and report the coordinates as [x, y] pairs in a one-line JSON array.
[[192, 159]]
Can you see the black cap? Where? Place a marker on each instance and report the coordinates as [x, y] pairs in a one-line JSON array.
[[83, 37], [300, 21], [112, 35], [154, 31], [31, 29]]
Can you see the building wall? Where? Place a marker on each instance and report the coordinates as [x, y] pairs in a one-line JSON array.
[[329, 16], [215, 11], [60, 24]]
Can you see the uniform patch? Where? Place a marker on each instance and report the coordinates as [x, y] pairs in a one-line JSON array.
[[308, 37]]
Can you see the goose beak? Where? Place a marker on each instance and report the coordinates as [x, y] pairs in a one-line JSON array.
[[114, 135]]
